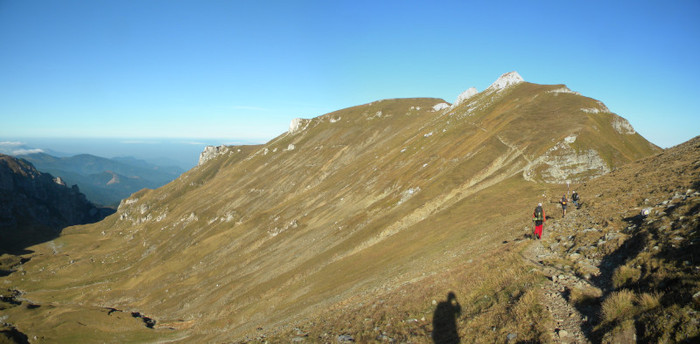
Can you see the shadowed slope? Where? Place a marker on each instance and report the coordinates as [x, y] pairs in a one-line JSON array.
[[35, 207]]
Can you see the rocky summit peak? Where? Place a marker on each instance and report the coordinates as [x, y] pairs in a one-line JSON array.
[[505, 80], [465, 95]]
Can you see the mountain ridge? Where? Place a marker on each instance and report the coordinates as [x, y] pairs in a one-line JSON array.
[[354, 202]]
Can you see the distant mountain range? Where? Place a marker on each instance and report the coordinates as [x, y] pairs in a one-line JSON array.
[[35, 206], [104, 181]]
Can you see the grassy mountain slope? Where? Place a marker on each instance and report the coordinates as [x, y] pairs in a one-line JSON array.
[[352, 205], [603, 273]]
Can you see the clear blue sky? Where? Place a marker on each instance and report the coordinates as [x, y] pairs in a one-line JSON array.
[[244, 69]]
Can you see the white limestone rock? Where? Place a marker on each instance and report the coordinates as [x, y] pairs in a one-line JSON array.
[[298, 124], [127, 202], [211, 152], [591, 110], [622, 126], [601, 108], [472, 91], [563, 89], [504, 81], [440, 106], [295, 125], [562, 163]]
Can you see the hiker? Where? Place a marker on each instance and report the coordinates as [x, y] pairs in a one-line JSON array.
[[563, 204], [539, 218], [574, 198]]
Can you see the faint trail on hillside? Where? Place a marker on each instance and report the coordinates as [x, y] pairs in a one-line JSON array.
[[568, 326], [500, 169], [514, 148]]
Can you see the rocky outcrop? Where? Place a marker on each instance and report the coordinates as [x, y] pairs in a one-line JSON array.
[[564, 89], [622, 126], [563, 163], [211, 152], [298, 124], [441, 106], [35, 207], [505, 80], [472, 91]]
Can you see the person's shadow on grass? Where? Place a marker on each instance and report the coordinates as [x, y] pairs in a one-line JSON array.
[[445, 321]]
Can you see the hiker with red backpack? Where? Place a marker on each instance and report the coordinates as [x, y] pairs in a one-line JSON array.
[[539, 218]]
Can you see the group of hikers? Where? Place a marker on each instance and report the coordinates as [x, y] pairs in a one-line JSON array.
[[539, 218]]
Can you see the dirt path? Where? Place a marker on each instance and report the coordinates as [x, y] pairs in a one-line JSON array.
[[568, 326]]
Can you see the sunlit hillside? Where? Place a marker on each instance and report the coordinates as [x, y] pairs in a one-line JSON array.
[[386, 206]]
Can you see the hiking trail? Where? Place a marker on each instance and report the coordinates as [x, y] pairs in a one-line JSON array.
[[569, 324]]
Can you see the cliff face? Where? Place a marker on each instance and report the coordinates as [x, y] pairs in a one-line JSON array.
[[34, 206]]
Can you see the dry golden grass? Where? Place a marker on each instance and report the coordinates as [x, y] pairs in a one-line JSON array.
[[649, 301], [622, 333], [625, 275], [618, 306], [611, 246], [585, 295], [497, 290]]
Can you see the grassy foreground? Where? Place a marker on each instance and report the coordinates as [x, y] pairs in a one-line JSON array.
[[495, 299]]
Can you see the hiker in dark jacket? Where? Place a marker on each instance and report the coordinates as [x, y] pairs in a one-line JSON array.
[[574, 198], [539, 218]]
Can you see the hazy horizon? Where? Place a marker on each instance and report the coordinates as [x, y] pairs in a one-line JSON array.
[[181, 152]]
